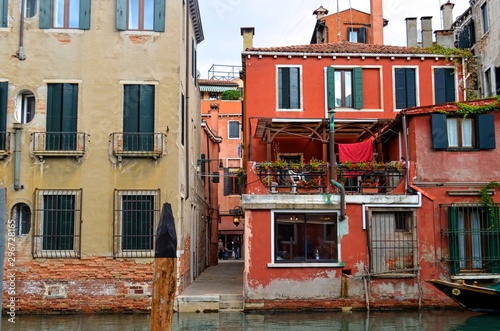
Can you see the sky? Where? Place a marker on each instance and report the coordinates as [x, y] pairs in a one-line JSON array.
[[291, 22]]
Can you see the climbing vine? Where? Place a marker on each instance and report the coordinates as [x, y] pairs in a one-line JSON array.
[[487, 200], [469, 110], [456, 55]]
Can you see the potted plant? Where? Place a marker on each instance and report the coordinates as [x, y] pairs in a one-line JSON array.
[[316, 165]]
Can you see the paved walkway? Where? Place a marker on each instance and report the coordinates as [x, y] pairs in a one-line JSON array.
[[217, 288]]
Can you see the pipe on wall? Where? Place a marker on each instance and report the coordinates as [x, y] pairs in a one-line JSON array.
[[17, 156], [20, 53]]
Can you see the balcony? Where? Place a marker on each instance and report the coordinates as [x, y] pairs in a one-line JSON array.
[[4, 144], [59, 144], [357, 178], [135, 144]]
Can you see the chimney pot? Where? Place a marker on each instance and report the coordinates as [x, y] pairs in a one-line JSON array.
[[247, 34]]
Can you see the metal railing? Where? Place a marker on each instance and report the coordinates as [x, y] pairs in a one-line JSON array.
[[59, 143], [136, 144], [4, 143]]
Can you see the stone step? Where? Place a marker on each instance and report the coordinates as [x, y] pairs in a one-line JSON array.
[[231, 306]]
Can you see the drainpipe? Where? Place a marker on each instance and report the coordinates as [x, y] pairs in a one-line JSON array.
[[20, 53], [407, 157], [187, 102], [333, 165], [17, 156]]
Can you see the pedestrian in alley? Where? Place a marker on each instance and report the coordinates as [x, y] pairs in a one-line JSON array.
[[236, 248], [221, 249]]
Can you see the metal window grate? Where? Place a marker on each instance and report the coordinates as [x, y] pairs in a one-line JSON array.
[[136, 216], [57, 224], [473, 236], [393, 241]]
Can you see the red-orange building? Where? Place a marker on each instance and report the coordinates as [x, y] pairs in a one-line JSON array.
[[327, 226]]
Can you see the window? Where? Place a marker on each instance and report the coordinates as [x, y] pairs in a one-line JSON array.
[[65, 14], [466, 36], [301, 237], [234, 130], [21, 214], [488, 88], [484, 17], [135, 221], [4, 10], [140, 15], [357, 35], [25, 109], [4, 89], [393, 241], [497, 80], [444, 85], [405, 87], [345, 88], [138, 117], [57, 224], [62, 115], [231, 185], [473, 238], [30, 9], [289, 88], [458, 133]]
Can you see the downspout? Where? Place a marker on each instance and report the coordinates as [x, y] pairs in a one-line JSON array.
[[17, 156], [407, 158], [187, 102], [20, 53], [333, 165]]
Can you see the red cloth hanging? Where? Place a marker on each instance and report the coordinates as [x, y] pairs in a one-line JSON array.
[[357, 152]]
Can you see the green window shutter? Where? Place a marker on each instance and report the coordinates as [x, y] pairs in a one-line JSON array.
[[453, 241], [358, 88], [227, 182], [492, 240], [411, 88], [121, 15], [4, 88], [449, 78], [53, 118], [400, 87], [45, 14], [439, 86], [159, 18], [69, 116], [130, 117], [330, 87], [439, 131], [284, 88], [85, 11], [362, 35], [485, 131], [294, 88], [3, 14], [146, 117]]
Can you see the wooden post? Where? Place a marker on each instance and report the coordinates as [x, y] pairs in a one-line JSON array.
[[164, 287]]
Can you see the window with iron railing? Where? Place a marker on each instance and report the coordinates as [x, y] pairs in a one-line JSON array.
[[57, 224], [473, 236], [392, 241], [136, 215]]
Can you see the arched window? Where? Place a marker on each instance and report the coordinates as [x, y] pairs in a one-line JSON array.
[[21, 213], [25, 110]]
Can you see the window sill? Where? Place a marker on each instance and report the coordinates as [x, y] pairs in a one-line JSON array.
[[307, 265], [139, 33], [63, 30], [291, 109]]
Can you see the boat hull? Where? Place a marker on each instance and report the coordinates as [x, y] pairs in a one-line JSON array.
[[471, 297]]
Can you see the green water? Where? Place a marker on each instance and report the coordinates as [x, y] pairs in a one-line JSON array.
[[355, 321]]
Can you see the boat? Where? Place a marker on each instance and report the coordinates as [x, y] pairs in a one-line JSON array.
[[471, 297]]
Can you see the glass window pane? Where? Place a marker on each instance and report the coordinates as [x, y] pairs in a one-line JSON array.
[[338, 88], [149, 14], [31, 8], [467, 132], [74, 13], [133, 14], [452, 126], [348, 89], [58, 14]]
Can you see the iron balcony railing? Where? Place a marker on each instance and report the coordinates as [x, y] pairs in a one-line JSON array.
[[4, 143], [135, 144], [59, 143], [373, 179]]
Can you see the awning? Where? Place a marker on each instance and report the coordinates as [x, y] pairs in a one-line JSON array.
[[216, 88]]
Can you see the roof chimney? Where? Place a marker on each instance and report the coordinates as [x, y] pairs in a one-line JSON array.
[[377, 22], [426, 23], [320, 12], [247, 34], [447, 12], [411, 32]]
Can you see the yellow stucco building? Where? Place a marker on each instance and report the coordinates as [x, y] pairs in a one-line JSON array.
[[99, 128]]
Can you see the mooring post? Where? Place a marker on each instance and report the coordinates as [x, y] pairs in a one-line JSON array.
[[165, 272]]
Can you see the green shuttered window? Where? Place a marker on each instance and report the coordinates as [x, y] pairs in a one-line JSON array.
[[138, 117], [405, 88], [345, 88], [444, 85], [289, 88], [64, 14], [3, 113], [62, 116], [3, 14], [141, 15]]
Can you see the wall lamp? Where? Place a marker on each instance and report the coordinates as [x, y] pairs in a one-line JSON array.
[[237, 214]]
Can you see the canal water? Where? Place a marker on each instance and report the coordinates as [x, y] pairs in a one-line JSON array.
[[443, 320]]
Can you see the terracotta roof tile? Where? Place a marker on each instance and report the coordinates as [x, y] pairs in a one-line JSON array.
[[343, 47]]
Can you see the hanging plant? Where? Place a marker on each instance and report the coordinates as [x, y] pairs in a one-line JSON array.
[[487, 200]]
